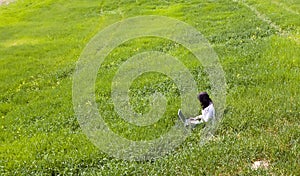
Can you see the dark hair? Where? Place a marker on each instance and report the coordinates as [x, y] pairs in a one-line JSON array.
[[204, 99]]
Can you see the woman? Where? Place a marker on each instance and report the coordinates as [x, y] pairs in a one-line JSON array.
[[208, 111]]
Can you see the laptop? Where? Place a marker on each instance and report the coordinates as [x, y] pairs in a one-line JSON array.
[[181, 116]]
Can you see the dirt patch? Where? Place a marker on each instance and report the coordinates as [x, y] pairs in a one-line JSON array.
[[5, 2]]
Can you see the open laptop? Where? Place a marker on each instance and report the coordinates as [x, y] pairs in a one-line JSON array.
[[181, 116]]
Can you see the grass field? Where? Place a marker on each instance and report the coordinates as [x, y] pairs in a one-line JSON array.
[[258, 47]]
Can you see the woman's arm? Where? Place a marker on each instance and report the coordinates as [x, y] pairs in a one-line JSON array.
[[197, 117]]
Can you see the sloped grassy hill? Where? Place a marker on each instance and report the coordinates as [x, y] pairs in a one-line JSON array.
[[258, 47]]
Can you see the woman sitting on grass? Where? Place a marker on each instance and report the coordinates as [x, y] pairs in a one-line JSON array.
[[208, 111]]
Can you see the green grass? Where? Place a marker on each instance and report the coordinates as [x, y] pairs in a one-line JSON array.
[[40, 42]]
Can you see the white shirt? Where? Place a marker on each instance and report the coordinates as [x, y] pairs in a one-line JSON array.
[[208, 114]]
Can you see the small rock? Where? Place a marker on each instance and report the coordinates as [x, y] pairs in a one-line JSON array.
[[260, 164]]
